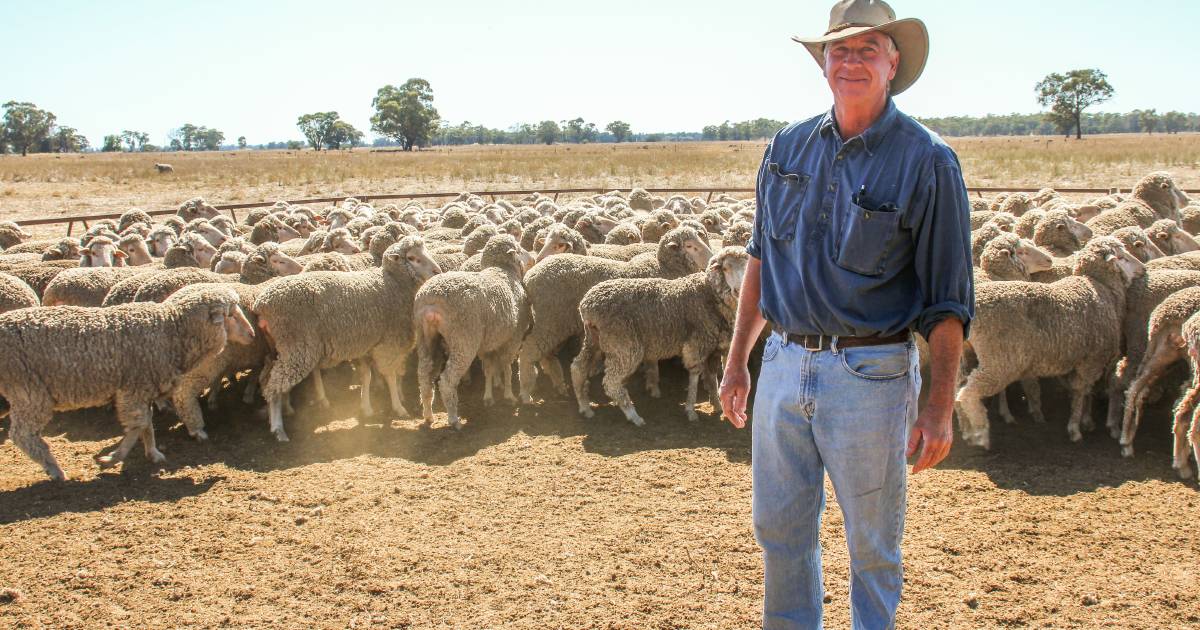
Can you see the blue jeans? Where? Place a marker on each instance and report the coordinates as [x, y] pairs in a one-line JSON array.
[[846, 411]]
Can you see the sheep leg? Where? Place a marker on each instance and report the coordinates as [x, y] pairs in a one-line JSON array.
[[490, 379], [286, 372], [318, 385], [650, 374], [973, 418], [581, 370], [1194, 438], [693, 385], [248, 394], [214, 389], [1151, 369], [391, 366], [134, 416], [1002, 407], [185, 400], [618, 368], [425, 380], [1183, 413], [527, 372], [554, 371], [275, 415], [1033, 399], [288, 410], [506, 374], [364, 391], [25, 430], [1118, 383], [1081, 387], [461, 355]]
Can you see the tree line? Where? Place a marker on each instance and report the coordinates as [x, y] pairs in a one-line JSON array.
[[405, 116]]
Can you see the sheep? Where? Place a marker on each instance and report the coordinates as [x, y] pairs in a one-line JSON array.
[[134, 354], [85, 286], [1027, 223], [997, 201], [229, 262], [210, 233], [15, 294], [1170, 238], [272, 228], [630, 321], [1189, 219], [640, 199], [192, 250], [1010, 257], [1165, 345], [163, 168], [135, 250], [159, 286], [557, 284], [12, 234], [657, 224], [196, 208], [131, 216], [561, 239], [1138, 243], [529, 236], [1016, 204], [1187, 260], [234, 358], [738, 233], [39, 275], [1058, 233], [1190, 334], [1028, 330], [623, 234], [1154, 197], [175, 224], [328, 261], [51, 249], [477, 238], [594, 227], [473, 314], [318, 320]]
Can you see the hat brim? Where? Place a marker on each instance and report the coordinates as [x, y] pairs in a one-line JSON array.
[[912, 41]]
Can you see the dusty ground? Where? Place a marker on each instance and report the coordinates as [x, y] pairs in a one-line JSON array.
[[539, 519]]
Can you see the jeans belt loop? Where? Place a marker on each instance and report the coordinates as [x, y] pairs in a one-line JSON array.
[[833, 345]]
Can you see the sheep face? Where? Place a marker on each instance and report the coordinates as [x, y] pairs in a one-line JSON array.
[[1085, 212], [230, 316], [410, 252], [101, 252], [1166, 234], [134, 247], [1138, 244], [553, 243], [696, 250], [211, 234], [203, 252], [733, 269], [1032, 257], [229, 263], [160, 241], [283, 264], [342, 244], [285, 232], [65, 249], [1129, 266]]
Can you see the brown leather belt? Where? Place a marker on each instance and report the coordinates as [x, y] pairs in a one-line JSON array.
[[816, 343]]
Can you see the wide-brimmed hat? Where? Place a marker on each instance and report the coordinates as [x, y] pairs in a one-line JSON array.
[[855, 17]]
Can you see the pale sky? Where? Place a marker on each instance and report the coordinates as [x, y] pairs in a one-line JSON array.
[[251, 67]]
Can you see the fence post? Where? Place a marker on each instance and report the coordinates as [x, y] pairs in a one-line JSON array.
[[70, 226], [710, 194], [233, 215]]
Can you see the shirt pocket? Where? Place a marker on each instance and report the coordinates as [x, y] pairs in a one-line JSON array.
[[784, 196], [867, 236]]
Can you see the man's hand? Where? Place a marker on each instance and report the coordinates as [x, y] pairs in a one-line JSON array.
[[735, 388], [934, 433]]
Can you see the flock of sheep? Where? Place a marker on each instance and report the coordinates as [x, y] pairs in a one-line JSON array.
[[137, 314]]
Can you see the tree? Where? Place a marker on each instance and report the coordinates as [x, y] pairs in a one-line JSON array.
[[406, 113], [295, 145], [317, 128], [134, 140], [210, 139], [1174, 122], [25, 125], [1069, 94], [548, 131], [241, 142], [111, 143], [343, 133], [67, 140], [619, 129], [1147, 120]]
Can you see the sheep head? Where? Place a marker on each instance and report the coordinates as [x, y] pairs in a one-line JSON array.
[[560, 239], [726, 271], [101, 251], [409, 256], [1107, 254], [340, 241], [134, 247], [229, 262], [64, 249], [1167, 235], [504, 252], [684, 243], [1138, 243], [1158, 190]]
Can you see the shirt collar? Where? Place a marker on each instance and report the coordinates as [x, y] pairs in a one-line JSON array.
[[873, 135]]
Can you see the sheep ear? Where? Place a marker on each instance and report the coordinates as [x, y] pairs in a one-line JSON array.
[[1006, 252], [673, 245], [120, 254], [1109, 257], [216, 315]]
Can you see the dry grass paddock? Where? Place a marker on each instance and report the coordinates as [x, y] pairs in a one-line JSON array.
[[533, 517]]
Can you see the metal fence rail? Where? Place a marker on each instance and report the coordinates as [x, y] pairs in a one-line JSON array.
[[232, 208]]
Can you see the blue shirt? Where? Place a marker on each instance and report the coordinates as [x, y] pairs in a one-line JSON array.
[[866, 236]]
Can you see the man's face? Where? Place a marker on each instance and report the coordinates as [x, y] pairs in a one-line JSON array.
[[860, 67]]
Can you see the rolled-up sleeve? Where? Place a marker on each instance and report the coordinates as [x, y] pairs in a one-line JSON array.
[[942, 258], [754, 246]]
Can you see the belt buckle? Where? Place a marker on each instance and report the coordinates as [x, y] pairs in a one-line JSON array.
[[820, 343]]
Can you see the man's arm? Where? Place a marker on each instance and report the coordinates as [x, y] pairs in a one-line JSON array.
[[934, 431], [735, 384]]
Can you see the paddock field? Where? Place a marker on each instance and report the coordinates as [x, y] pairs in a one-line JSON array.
[[533, 517]]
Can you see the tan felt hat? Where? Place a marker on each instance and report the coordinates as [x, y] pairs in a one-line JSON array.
[[855, 17]]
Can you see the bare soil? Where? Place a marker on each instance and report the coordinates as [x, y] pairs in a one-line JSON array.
[[535, 518]]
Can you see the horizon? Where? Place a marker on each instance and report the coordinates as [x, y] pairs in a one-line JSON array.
[[252, 70]]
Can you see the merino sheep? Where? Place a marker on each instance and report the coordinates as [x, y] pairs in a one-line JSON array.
[[85, 286], [1010, 257], [657, 224], [318, 320], [1165, 345], [11, 234], [472, 314], [50, 249], [1138, 243], [1170, 238], [1186, 409], [15, 294], [1028, 330], [191, 250], [1060, 234], [229, 262], [1154, 197], [1189, 219], [163, 168], [630, 321], [134, 354], [159, 240], [557, 284], [132, 216], [136, 252], [196, 208], [623, 234]]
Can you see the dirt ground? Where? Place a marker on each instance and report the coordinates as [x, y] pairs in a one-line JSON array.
[[535, 518]]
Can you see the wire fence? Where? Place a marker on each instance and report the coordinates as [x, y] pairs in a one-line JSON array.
[[232, 208]]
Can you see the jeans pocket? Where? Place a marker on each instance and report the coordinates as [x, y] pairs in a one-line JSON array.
[[877, 363], [783, 195], [866, 238], [771, 348]]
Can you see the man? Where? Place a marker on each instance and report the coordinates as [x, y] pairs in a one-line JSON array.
[[862, 234]]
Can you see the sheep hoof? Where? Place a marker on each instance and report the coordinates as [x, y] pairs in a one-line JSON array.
[[456, 423], [488, 401], [1039, 419], [401, 412], [637, 420], [587, 412], [692, 416], [654, 392], [200, 435], [1115, 432], [323, 403], [1184, 472], [1088, 425], [1126, 450], [106, 461], [1074, 434], [526, 399], [1008, 419], [157, 457], [281, 436], [56, 475]]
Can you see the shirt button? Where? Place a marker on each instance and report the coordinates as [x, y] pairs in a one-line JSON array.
[[833, 187], [840, 156]]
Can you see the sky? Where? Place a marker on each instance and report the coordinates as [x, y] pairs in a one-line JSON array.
[[251, 67]]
